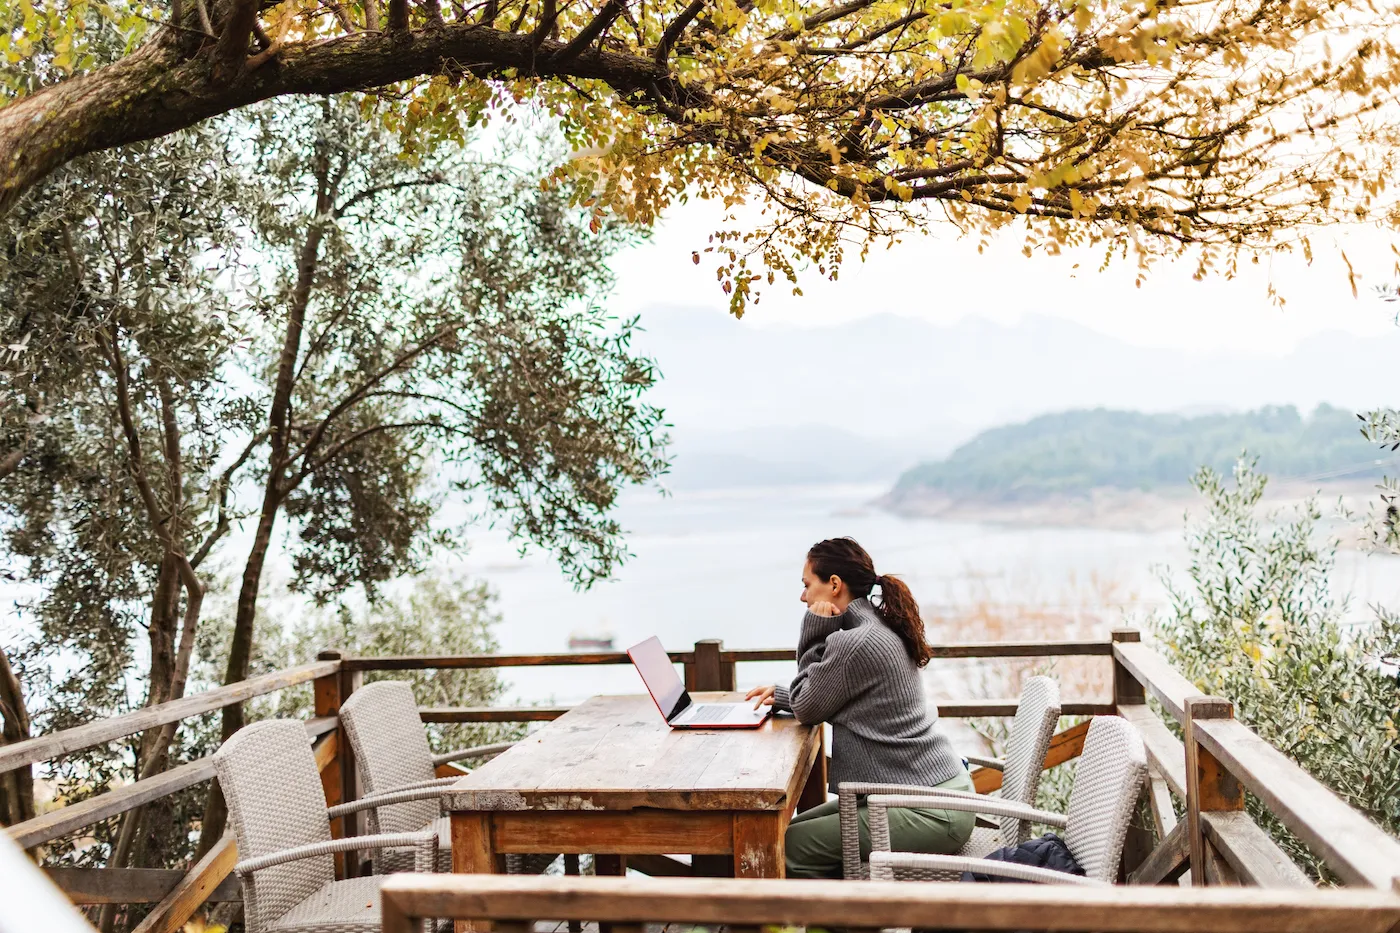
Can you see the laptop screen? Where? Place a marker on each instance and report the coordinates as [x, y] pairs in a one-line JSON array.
[[658, 674]]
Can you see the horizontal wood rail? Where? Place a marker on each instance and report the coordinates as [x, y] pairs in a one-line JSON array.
[[512, 900], [991, 649], [130, 885], [1157, 675], [428, 662], [974, 709], [1063, 747], [1231, 758], [1250, 853], [57, 823], [105, 730], [1358, 850]]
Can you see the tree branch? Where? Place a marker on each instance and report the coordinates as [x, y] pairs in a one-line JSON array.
[[360, 391], [435, 178], [10, 462], [273, 47], [673, 31], [232, 47], [549, 12], [135, 459], [341, 446], [585, 38], [225, 481], [155, 91]]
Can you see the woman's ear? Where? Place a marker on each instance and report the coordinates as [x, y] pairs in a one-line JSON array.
[[835, 583]]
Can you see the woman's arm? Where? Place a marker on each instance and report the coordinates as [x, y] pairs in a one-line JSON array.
[[823, 684]]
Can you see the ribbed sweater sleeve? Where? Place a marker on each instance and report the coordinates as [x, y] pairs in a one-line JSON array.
[[823, 683], [854, 672]]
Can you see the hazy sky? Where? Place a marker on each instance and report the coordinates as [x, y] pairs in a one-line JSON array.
[[942, 278]]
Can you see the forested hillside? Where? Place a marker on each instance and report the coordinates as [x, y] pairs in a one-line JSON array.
[[1076, 451]]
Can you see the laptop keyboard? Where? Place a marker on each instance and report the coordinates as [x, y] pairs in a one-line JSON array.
[[711, 711]]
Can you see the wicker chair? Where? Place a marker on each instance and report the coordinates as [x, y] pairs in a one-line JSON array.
[[397, 767], [1107, 781], [277, 810], [1037, 713]]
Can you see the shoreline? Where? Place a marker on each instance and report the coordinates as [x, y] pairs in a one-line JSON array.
[[1112, 509]]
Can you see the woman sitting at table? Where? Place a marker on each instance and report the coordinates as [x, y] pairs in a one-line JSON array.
[[858, 665]]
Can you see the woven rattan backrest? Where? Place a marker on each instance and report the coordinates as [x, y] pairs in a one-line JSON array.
[[269, 778], [1031, 731], [391, 750], [1107, 780]]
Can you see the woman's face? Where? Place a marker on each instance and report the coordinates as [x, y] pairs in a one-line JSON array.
[[815, 589]]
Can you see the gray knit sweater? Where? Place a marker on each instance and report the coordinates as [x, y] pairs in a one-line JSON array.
[[854, 672]]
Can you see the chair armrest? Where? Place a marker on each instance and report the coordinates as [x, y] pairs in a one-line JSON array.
[[996, 764], [994, 806], [883, 864], [480, 751], [384, 800], [848, 792], [427, 842], [877, 806], [418, 785]]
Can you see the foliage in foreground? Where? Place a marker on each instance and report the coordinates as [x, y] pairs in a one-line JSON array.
[[1224, 128], [358, 340], [1258, 623], [439, 612]]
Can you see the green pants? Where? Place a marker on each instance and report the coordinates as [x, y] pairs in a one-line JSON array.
[[813, 840]]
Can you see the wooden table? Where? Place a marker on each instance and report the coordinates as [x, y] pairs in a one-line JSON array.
[[611, 779]]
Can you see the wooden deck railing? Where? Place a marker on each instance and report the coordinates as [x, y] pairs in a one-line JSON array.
[[1220, 760], [512, 904]]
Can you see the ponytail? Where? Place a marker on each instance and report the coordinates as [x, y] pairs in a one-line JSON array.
[[844, 558], [900, 611]]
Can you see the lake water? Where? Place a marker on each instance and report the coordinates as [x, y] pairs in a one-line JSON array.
[[727, 563]]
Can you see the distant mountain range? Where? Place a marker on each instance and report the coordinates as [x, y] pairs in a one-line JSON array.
[[1078, 452], [864, 401]]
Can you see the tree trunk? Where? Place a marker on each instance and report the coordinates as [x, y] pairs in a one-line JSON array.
[[16, 787], [161, 632], [279, 421]]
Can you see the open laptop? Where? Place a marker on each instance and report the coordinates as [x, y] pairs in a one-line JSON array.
[[674, 702]]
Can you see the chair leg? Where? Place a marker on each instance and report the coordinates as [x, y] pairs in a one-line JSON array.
[[571, 869]]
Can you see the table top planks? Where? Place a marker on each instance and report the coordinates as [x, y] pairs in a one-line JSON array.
[[616, 753]]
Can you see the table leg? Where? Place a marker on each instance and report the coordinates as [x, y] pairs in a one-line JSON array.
[[610, 865], [471, 853], [814, 791], [712, 866], [758, 845]]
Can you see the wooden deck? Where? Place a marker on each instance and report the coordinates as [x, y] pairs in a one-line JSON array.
[[1217, 845]]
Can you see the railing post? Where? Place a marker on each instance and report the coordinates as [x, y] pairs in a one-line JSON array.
[[709, 672], [340, 779], [1209, 786], [1126, 689]]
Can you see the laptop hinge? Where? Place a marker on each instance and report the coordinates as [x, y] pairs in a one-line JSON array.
[[681, 705]]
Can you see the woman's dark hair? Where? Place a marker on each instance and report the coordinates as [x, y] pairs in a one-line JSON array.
[[844, 558]]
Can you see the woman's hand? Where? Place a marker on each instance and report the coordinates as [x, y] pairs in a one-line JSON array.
[[823, 608], [762, 696]]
